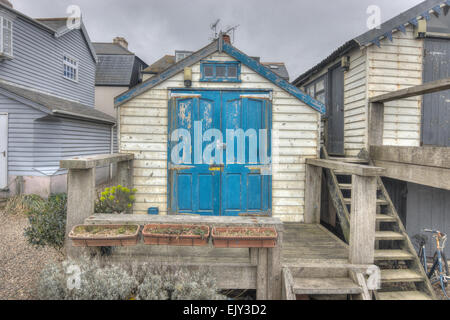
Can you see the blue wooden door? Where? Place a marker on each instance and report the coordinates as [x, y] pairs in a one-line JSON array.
[[229, 188], [193, 188], [246, 182]]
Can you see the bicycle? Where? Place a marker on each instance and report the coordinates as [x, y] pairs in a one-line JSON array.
[[439, 272]]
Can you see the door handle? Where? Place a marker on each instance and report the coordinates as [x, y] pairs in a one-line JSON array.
[[4, 153]]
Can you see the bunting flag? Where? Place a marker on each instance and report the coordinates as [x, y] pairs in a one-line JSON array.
[[389, 35], [426, 15], [414, 21], [402, 28], [437, 10], [447, 2], [376, 42]]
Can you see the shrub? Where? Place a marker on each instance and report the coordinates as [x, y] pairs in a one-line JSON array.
[[87, 279], [48, 223], [117, 199], [22, 204]]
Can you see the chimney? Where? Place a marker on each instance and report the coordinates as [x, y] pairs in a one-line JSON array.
[[6, 3], [226, 38], [119, 40]]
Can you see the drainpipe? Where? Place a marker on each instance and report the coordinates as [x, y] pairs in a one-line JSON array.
[[112, 151]]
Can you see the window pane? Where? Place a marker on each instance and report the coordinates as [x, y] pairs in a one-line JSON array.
[[310, 91], [232, 71], [321, 97], [221, 71], [320, 85], [209, 71]]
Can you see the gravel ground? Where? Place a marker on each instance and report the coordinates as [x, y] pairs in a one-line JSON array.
[[20, 263]]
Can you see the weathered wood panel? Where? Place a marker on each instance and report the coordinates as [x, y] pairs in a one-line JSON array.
[[394, 66]]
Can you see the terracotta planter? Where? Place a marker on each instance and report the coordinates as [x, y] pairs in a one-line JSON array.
[[234, 241], [99, 240], [167, 239]]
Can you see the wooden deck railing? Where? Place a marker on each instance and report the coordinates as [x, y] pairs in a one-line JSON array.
[[363, 206], [81, 185]]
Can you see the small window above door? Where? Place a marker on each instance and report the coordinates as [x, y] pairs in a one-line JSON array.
[[212, 71]]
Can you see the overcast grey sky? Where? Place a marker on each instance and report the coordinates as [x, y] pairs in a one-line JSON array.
[[298, 32]]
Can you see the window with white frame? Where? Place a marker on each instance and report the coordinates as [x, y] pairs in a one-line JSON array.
[[6, 35], [70, 68]]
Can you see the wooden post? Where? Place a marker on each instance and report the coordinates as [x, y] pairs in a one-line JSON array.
[[313, 194], [262, 275], [124, 173], [274, 287], [80, 202], [362, 220], [376, 124]]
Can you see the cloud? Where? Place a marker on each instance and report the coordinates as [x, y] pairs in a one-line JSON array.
[[298, 32]]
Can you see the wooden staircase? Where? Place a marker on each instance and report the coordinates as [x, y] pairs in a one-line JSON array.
[[402, 276]]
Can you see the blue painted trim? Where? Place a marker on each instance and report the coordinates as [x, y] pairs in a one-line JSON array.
[[214, 64], [376, 42], [271, 76]]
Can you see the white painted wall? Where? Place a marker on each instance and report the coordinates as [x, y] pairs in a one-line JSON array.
[[144, 131], [104, 98], [394, 66]]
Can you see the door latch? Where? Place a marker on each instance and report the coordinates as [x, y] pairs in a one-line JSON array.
[[4, 153]]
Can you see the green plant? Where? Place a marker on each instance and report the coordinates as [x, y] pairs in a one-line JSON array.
[[22, 204], [91, 279], [48, 223], [117, 199]]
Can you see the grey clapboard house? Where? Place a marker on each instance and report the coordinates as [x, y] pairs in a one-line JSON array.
[[47, 88]]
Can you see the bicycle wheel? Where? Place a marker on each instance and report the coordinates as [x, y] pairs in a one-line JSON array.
[[444, 267]]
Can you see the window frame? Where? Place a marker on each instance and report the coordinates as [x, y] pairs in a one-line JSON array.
[[2, 53], [76, 67], [313, 85], [226, 78]]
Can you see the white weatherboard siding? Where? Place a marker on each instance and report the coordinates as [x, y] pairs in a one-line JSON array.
[[144, 132], [355, 102], [394, 66]]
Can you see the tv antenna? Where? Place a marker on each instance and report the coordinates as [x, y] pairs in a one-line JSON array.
[[232, 30], [214, 28]]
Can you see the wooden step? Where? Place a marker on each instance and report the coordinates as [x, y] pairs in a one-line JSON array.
[[325, 286], [393, 255], [389, 235], [385, 218], [380, 202], [348, 186], [403, 295], [400, 275]]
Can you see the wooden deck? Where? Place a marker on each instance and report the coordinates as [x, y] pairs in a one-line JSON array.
[[302, 243], [311, 243]]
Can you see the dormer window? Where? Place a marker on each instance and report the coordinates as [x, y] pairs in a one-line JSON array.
[[6, 38], [70, 68], [220, 71]]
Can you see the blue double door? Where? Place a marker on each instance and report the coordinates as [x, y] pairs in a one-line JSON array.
[[224, 170]]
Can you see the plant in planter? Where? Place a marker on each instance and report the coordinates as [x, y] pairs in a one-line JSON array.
[[176, 235], [117, 199], [237, 237], [104, 235]]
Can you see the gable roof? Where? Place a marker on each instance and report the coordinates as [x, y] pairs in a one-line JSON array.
[[221, 46], [110, 48], [160, 65], [398, 23], [53, 105]]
